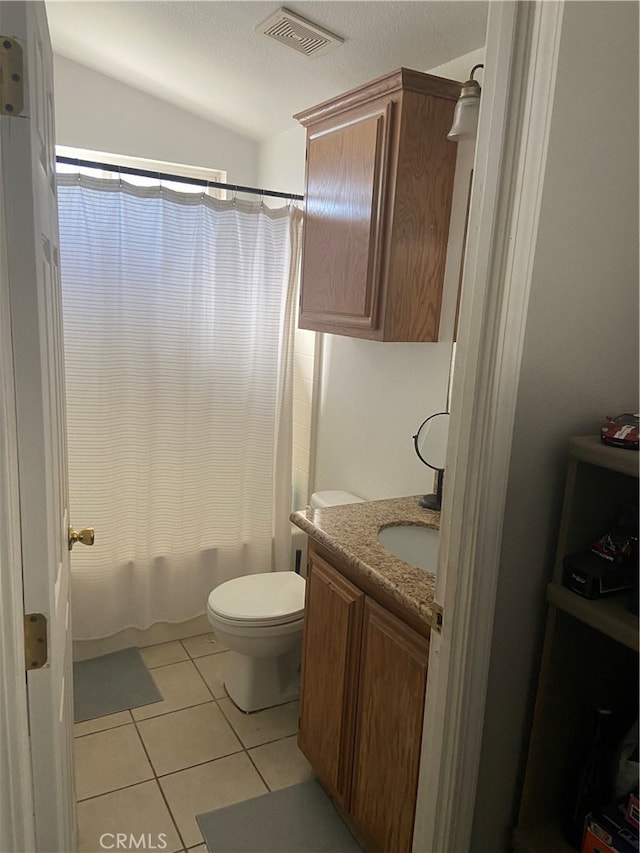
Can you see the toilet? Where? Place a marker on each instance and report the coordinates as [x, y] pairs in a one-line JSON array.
[[260, 618]]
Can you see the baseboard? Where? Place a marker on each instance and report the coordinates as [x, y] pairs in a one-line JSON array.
[[162, 632]]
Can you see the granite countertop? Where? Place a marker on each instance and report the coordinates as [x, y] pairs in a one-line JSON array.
[[351, 531]]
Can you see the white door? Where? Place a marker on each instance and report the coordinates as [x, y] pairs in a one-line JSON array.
[[31, 228]]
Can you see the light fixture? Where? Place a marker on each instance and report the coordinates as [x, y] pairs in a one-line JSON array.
[[465, 118]]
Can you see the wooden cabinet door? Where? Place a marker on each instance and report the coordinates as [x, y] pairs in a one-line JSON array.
[[392, 685], [330, 655], [344, 214]]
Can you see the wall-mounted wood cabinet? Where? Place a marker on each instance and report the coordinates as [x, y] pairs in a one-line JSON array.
[[364, 673], [379, 185]]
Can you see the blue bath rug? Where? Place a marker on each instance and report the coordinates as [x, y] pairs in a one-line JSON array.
[[298, 819], [111, 683]]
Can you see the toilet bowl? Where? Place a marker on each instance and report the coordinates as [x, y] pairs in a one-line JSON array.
[[260, 618]]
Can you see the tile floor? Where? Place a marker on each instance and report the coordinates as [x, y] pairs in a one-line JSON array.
[[152, 770]]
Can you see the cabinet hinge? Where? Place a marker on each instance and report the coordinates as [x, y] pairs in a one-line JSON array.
[[11, 77], [437, 618], [35, 641]]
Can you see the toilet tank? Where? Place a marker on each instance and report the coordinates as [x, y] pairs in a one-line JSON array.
[[319, 500]]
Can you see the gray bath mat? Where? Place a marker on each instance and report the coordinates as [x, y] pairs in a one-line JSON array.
[[299, 819], [112, 683]]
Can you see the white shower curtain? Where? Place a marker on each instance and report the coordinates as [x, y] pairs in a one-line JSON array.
[[178, 320]]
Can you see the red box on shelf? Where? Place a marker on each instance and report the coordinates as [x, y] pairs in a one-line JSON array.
[[607, 831], [633, 811]]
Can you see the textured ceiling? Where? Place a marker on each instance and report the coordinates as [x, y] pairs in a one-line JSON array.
[[208, 58]]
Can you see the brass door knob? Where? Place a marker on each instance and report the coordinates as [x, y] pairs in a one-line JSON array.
[[87, 536]]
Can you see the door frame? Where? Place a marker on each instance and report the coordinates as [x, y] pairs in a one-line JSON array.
[[513, 134]]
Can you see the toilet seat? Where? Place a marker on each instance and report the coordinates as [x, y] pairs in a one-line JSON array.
[[262, 600]]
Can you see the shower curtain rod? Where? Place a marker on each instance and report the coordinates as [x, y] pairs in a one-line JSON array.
[[163, 176]]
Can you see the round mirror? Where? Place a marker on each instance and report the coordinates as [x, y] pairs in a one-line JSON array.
[[431, 440]]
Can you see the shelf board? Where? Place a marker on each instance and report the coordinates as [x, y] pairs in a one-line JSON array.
[[607, 615], [589, 448], [546, 838]]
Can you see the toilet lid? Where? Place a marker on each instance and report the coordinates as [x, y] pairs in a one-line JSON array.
[[270, 597]]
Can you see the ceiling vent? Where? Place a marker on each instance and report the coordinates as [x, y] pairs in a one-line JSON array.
[[301, 35]]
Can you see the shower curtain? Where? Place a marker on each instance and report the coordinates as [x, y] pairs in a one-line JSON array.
[[178, 318]]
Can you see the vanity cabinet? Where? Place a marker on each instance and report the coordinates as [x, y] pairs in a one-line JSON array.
[[362, 698], [590, 654], [378, 192], [390, 708], [330, 664]]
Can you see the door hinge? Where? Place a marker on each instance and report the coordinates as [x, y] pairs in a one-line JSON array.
[[437, 618], [11, 77], [35, 641]]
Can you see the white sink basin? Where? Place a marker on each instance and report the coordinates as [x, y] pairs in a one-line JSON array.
[[415, 545]]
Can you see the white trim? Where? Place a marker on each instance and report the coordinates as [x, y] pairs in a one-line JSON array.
[[513, 133], [17, 828], [144, 163]]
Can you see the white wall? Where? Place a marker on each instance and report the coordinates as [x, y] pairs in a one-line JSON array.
[[281, 161], [375, 395], [580, 363], [96, 112], [459, 68]]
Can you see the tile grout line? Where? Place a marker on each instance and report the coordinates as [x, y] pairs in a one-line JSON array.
[[115, 790], [203, 656], [255, 766], [191, 661], [157, 781], [155, 777], [144, 719], [199, 764], [255, 746], [108, 729], [164, 713], [244, 748], [159, 778], [204, 680], [184, 649]]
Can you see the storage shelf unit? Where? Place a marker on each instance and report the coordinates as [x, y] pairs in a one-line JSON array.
[[589, 448], [547, 838], [590, 653], [607, 615]]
